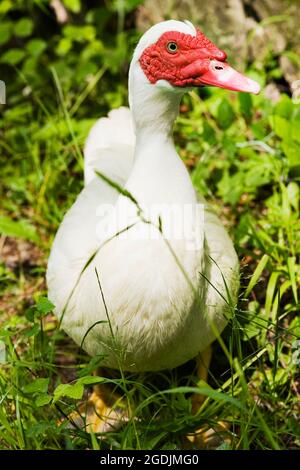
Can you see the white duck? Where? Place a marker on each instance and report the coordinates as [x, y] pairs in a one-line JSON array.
[[166, 294]]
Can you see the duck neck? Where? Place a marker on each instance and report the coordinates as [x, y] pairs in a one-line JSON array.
[[157, 170]]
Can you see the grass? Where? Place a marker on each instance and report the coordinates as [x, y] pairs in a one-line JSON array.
[[240, 154]]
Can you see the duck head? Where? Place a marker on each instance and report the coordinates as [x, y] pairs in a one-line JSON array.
[[179, 54], [171, 58]]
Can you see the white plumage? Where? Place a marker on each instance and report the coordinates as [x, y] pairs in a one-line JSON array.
[[163, 304]]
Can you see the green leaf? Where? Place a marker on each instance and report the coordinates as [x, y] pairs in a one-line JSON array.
[[18, 229], [292, 151], [37, 386], [44, 305], [284, 108], [295, 131], [75, 390], [281, 127], [231, 188], [285, 206], [24, 27], [73, 5], [90, 380], [13, 56], [257, 273], [29, 313], [43, 399], [208, 134], [67, 390], [40, 309], [295, 327], [245, 104], [270, 291], [35, 47], [252, 329], [79, 33], [292, 273], [64, 46], [258, 129], [5, 6], [225, 115], [293, 193], [5, 32], [39, 429], [32, 332]]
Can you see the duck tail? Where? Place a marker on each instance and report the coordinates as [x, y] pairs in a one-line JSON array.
[[109, 147]]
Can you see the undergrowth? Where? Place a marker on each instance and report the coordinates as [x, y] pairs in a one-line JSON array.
[[244, 156]]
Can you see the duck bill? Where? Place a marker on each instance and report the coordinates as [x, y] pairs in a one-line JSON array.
[[220, 74]]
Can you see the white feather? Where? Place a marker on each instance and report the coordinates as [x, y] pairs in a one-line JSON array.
[[157, 320], [109, 146]]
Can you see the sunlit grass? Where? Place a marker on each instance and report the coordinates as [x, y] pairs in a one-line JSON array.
[[253, 380]]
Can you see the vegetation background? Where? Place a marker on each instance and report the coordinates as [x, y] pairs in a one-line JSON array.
[[65, 64]]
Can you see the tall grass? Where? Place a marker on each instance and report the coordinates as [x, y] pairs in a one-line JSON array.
[[253, 379]]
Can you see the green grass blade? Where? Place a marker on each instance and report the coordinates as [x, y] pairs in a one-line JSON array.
[[257, 273]]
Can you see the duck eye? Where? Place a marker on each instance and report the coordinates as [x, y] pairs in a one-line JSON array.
[[172, 47]]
